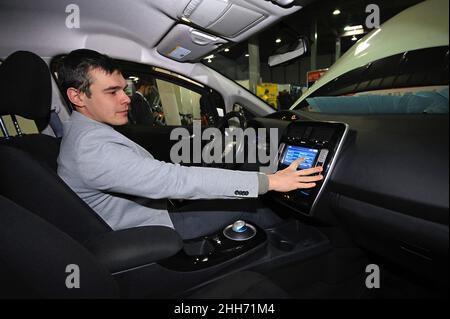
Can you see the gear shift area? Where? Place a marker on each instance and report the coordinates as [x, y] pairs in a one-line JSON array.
[[240, 231], [230, 244]]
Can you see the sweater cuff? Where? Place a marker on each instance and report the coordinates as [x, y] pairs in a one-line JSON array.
[[263, 183]]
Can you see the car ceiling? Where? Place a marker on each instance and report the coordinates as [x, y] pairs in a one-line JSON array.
[[125, 29]]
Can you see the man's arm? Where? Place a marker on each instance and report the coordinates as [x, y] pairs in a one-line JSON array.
[[108, 164]]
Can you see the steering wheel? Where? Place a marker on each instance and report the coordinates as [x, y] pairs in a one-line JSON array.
[[229, 147], [225, 121]]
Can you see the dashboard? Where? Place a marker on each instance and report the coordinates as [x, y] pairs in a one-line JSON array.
[[386, 182]]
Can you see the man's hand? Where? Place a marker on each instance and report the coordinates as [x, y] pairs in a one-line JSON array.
[[290, 178]]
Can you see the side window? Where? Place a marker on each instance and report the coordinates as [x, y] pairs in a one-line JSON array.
[[161, 100], [180, 105], [145, 105]]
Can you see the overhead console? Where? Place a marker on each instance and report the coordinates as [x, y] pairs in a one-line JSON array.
[[319, 143], [225, 17], [208, 24]]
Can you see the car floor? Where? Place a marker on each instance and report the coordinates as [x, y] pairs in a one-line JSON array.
[[340, 274]]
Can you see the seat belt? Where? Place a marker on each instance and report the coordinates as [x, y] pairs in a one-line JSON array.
[[55, 123]]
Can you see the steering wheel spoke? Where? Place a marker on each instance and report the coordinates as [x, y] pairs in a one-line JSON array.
[[227, 145]]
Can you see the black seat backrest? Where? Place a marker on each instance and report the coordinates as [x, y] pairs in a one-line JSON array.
[[39, 189], [25, 88], [28, 163], [34, 260]]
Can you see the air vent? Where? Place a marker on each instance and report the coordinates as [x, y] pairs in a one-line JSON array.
[[297, 131], [322, 134]]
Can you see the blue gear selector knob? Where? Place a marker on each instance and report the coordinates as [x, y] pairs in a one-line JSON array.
[[239, 226], [239, 231]]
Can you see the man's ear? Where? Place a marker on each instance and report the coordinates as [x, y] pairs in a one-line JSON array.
[[75, 97]]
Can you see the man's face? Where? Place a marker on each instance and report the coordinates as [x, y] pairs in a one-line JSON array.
[[108, 102]]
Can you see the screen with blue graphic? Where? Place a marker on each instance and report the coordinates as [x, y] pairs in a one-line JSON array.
[[293, 152]]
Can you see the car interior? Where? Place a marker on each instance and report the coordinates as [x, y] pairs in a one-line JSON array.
[[383, 200]]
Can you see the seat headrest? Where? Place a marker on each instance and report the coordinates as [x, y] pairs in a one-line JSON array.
[[25, 86]]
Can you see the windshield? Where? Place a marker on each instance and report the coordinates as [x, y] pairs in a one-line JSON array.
[[350, 66], [236, 64]]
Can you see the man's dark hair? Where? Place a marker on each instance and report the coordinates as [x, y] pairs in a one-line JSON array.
[[74, 69]]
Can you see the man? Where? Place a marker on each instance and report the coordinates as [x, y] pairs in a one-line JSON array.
[[284, 100], [105, 168], [140, 110], [265, 96]]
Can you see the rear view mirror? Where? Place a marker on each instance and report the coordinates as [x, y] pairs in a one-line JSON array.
[[289, 52]]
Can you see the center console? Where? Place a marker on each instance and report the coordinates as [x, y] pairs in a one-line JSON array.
[[236, 241], [319, 143], [236, 247]]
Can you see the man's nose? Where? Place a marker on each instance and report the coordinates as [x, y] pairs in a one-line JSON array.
[[125, 98]]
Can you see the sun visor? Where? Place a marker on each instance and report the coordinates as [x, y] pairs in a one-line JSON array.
[[223, 17], [186, 44]]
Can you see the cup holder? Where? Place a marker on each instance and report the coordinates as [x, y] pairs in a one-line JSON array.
[[287, 236], [281, 243]]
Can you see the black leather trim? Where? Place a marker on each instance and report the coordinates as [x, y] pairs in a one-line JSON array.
[[129, 248]]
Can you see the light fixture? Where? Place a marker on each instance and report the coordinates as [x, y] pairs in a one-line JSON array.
[[185, 19], [227, 50], [336, 12], [209, 61], [354, 38], [247, 55], [278, 40], [353, 27], [209, 57]]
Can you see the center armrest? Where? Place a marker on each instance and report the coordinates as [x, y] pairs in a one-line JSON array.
[[128, 248]]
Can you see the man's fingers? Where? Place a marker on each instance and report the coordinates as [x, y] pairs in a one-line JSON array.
[[296, 163], [310, 171], [307, 179], [307, 185]]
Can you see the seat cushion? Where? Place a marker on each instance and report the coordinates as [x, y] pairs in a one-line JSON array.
[[35, 256]]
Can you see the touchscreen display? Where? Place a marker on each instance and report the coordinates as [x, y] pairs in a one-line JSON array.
[[291, 153]]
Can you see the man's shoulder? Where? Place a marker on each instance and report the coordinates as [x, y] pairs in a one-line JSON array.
[[86, 133], [99, 135]]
